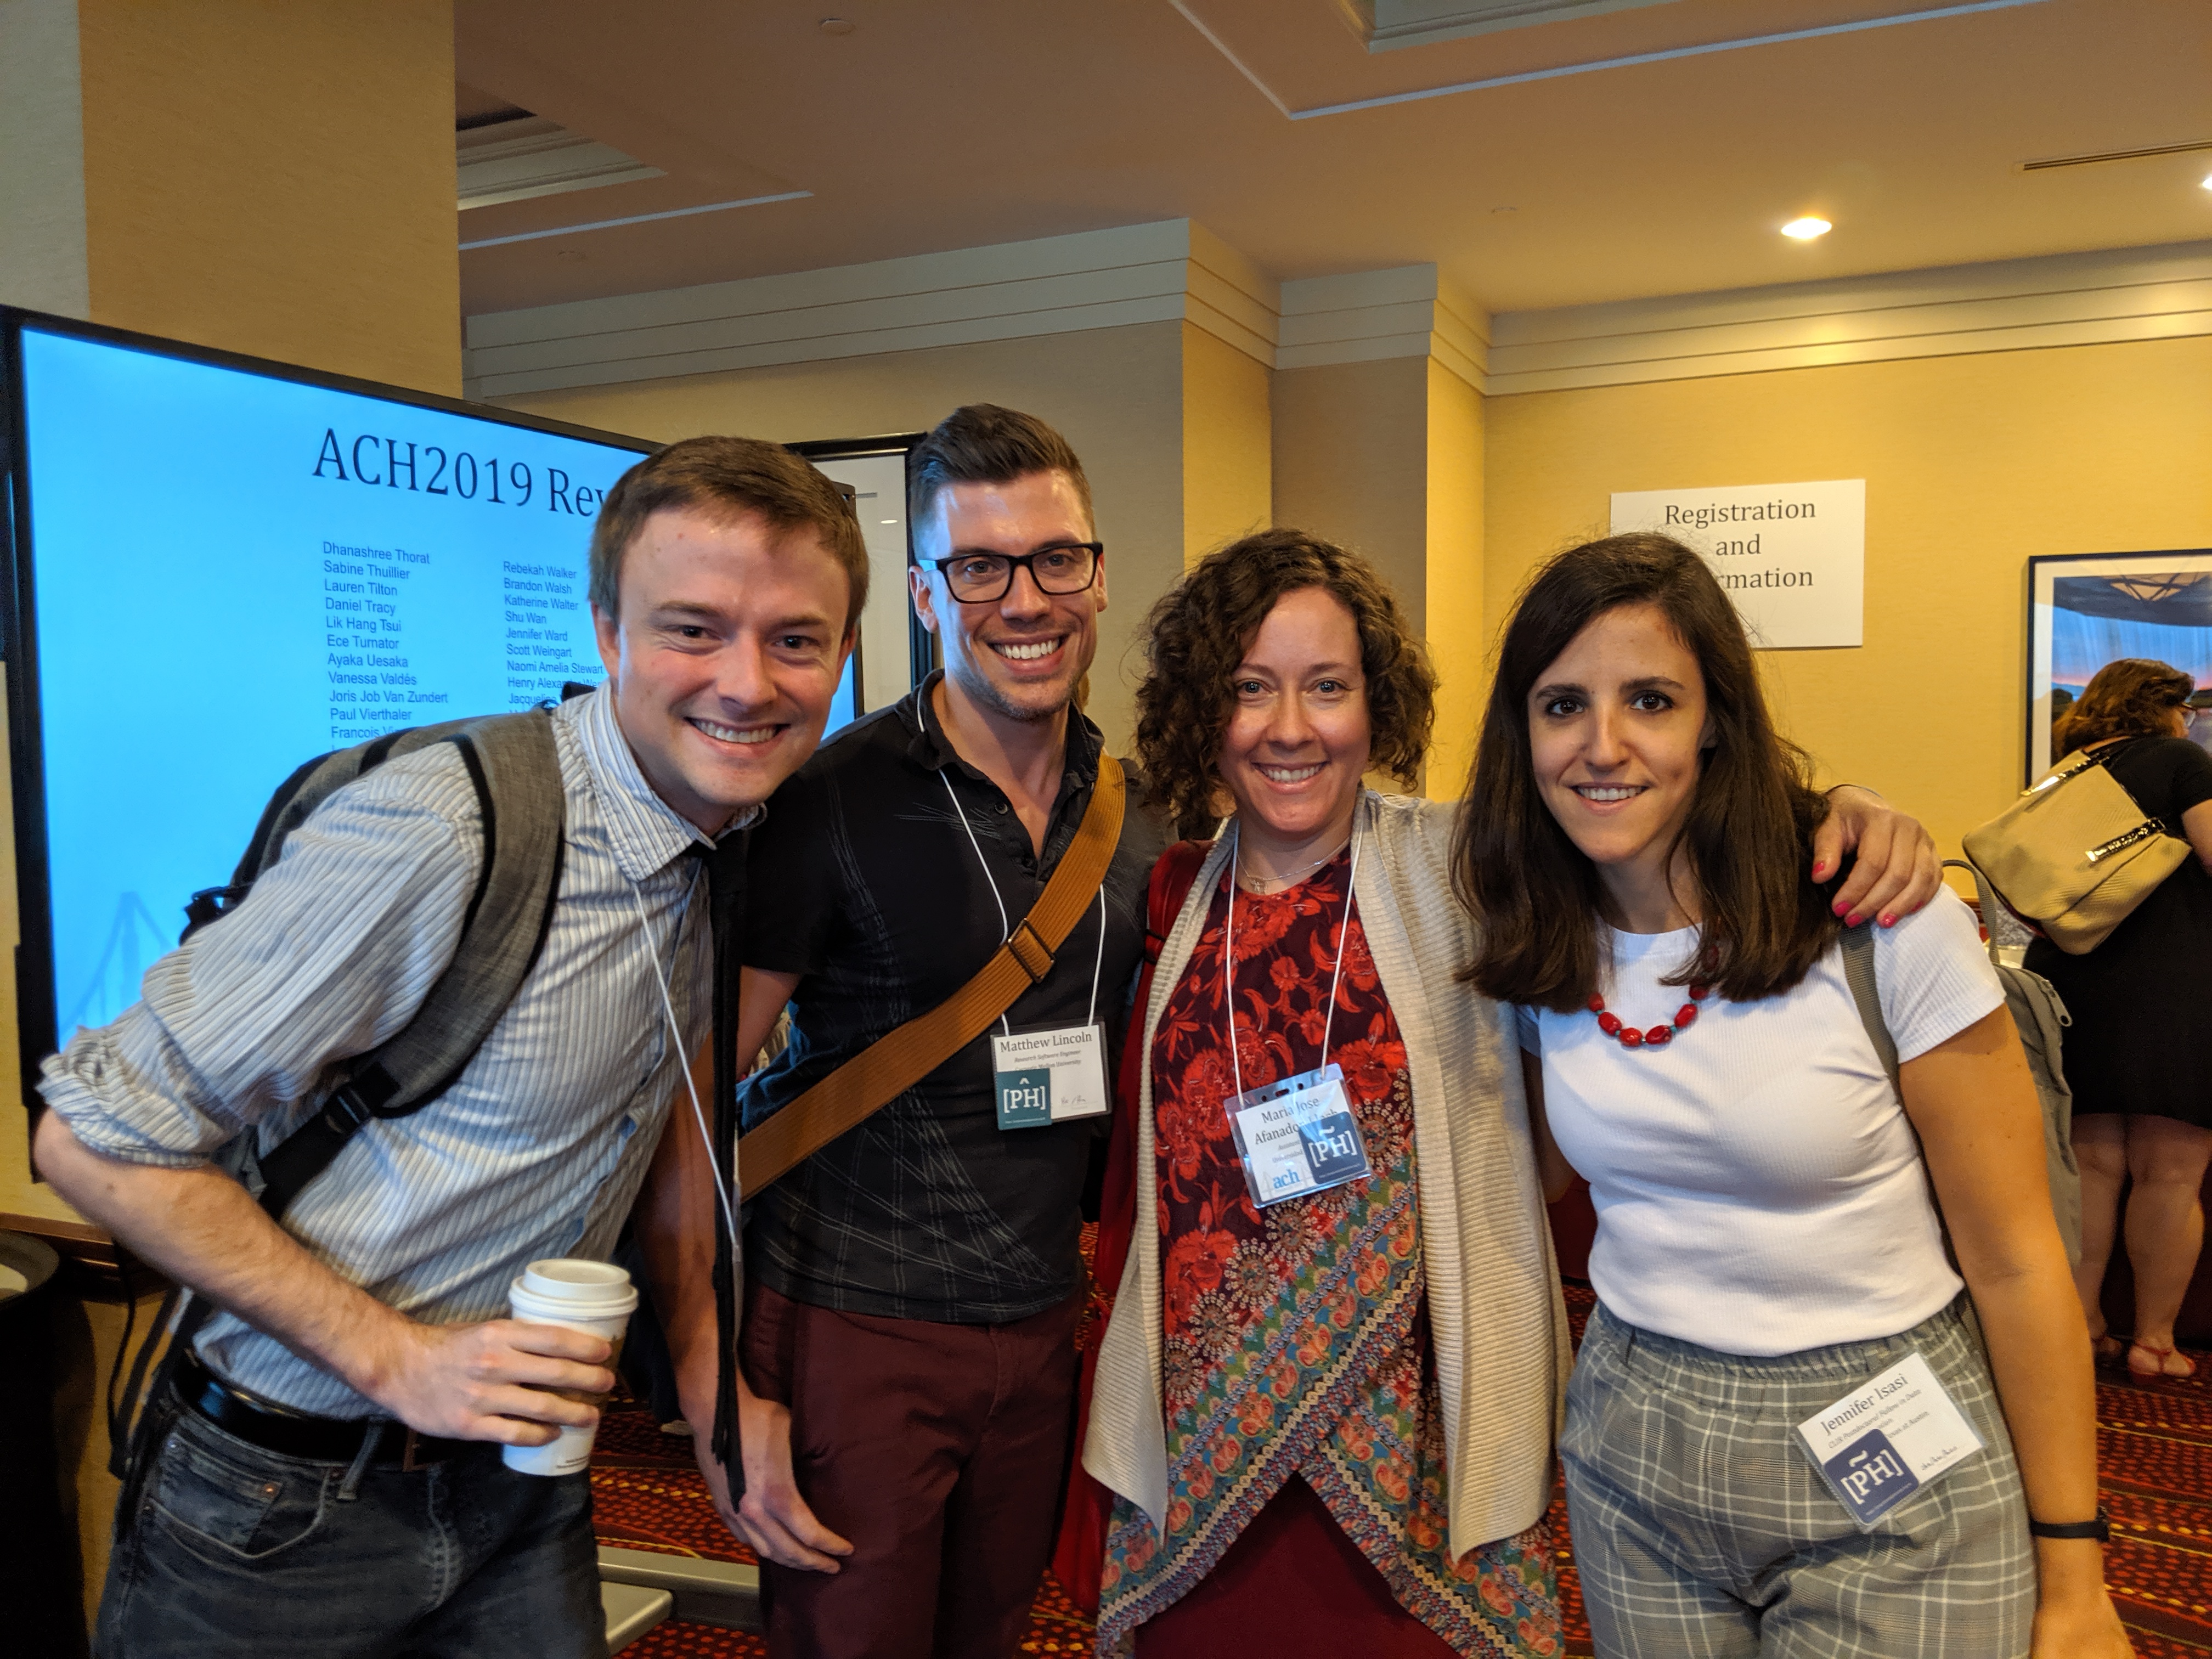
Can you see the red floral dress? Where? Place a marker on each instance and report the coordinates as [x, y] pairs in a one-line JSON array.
[[1297, 1339]]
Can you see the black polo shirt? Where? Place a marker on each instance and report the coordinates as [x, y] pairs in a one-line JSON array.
[[864, 883]]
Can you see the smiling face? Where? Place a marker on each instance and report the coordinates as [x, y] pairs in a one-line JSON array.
[[1616, 724], [1297, 744], [725, 658], [1019, 658]]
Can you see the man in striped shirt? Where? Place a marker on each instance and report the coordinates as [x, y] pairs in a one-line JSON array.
[[353, 1499]]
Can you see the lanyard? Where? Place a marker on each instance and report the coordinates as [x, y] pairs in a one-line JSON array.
[[675, 1035], [1006, 928], [1229, 957]]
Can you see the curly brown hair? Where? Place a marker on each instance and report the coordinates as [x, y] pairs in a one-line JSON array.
[[1201, 628], [2133, 697]]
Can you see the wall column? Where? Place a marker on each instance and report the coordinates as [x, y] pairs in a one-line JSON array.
[[1378, 445]]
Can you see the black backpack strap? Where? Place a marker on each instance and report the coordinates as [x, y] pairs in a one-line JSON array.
[[516, 770]]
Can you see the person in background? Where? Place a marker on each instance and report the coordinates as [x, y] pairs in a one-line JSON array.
[[912, 1290], [328, 1479], [1766, 1245], [2139, 1051], [1327, 1417]]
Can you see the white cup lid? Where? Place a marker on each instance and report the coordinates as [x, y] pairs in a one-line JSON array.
[[585, 1283]]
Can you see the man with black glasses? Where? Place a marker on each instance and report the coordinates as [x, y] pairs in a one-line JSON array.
[[913, 1288]]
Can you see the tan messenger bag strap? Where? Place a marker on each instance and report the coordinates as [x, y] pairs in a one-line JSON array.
[[894, 1063]]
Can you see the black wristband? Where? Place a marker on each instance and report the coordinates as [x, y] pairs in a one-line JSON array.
[[2100, 1528]]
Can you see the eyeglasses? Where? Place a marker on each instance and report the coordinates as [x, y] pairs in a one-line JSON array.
[[983, 578]]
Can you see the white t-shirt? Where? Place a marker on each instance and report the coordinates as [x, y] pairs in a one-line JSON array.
[[1758, 1188]]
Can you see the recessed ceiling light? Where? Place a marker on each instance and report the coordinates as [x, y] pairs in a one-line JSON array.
[[1805, 230], [838, 26], [2207, 181]]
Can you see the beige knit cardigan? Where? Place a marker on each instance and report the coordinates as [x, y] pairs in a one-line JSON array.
[[1495, 1315]]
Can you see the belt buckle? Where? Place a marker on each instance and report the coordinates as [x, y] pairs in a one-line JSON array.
[[407, 1463]]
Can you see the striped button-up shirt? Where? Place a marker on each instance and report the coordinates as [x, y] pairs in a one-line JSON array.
[[537, 1150]]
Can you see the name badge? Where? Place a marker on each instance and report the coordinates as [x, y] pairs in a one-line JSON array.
[[1049, 1077], [1882, 1442], [1297, 1136]]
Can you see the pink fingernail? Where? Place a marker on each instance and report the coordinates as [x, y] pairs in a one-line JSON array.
[[1852, 921], [1889, 922], [1838, 907]]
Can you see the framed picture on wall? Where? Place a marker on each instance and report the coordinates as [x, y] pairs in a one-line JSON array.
[[2085, 610]]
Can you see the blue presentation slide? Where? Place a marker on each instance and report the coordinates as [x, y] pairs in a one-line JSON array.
[[234, 573]]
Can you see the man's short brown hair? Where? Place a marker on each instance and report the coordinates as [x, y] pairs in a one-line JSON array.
[[725, 478], [984, 443]]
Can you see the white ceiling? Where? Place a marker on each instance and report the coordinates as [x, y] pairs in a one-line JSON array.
[[934, 124]]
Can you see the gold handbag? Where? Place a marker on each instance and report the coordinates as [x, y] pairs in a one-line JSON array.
[[2075, 854]]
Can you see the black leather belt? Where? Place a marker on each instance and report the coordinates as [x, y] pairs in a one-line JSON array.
[[294, 1434]]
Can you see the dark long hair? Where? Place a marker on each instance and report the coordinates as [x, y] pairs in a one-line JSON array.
[[2133, 697], [1762, 923]]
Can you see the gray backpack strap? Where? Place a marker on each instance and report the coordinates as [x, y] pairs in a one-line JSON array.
[[2037, 1016], [2040, 1016], [516, 769], [1866, 993]]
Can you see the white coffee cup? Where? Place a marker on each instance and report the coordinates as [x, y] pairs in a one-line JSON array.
[[593, 1296]]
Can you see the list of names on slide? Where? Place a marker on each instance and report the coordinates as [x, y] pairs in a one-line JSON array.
[[375, 687], [411, 637], [544, 618]]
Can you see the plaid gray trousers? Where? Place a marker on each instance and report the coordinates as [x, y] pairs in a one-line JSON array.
[[1702, 1530]]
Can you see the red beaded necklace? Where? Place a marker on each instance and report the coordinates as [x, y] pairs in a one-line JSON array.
[[1657, 1036]]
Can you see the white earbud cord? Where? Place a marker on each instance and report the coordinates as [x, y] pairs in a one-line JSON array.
[[676, 1034], [1229, 957]]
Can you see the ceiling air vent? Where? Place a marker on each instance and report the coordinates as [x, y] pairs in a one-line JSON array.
[[512, 160], [1387, 25]]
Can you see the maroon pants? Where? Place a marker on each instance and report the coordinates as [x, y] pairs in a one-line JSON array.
[[1293, 1574], [938, 1451]]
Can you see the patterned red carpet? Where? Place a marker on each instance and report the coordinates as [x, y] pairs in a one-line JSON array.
[[2155, 1449]]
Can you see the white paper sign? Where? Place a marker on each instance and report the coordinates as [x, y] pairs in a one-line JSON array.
[[1791, 555], [1887, 1438]]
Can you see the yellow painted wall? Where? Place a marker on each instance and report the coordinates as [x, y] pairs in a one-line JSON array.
[[1455, 564], [1228, 487], [1351, 465], [1972, 464], [276, 179], [1117, 395]]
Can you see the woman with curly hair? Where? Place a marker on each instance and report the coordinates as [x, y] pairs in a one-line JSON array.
[[2139, 1052], [1325, 1399]]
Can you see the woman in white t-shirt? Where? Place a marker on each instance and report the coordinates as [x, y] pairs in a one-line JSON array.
[[1766, 1249]]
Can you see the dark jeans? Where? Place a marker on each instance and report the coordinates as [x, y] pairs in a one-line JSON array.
[[938, 1451], [229, 1552]]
